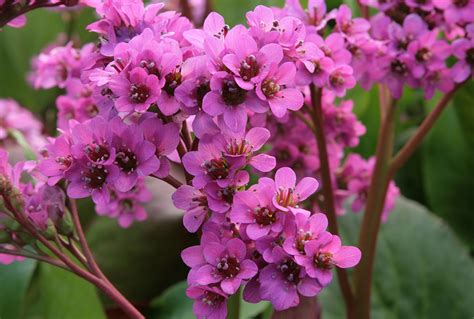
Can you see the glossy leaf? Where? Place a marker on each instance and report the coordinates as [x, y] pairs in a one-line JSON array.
[[14, 281], [422, 270]]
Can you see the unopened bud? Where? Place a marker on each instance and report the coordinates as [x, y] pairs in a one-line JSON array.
[[50, 232], [65, 225]]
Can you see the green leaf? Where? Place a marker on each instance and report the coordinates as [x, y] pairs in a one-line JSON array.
[[448, 157], [57, 293], [173, 304], [421, 271], [14, 281]]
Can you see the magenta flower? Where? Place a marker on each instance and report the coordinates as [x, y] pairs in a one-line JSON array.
[[208, 164], [90, 179], [134, 156], [277, 91], [254, 209], [245, 145], [340, 79], [456, 11], [209, 302], [306, 230], [282, 281], [286, 193], [349, 26], [226, 264], [437, 77], [221, 199], [92, 140], [323, 254], [247, 62], [136, 91], [229, 100], [165, 138], [127, 207], [194, 203], [463, 50]]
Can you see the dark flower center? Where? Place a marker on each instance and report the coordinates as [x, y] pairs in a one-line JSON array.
[[290, 271], [461, 3], [423, 55], [470, 57], [201, 91], [264, 216], [94, 176], [302, 239], [270, 88], [97, 152], [217, 168], [92, 110], [173, 80], [212, 299], [139, 93], [126, 160], [150, 67], [323, 260], [336, 79], [232, 93], [398, 67], [228, 267], [227, 194], [398, 12], [249, 68]]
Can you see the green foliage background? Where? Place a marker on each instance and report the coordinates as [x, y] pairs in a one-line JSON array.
[[424, 267]]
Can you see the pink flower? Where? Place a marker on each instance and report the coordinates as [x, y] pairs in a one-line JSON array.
[[209, 302], [323, 254], [282, 281], [286, 193], [277, 89], [225, 264], [463, 50]]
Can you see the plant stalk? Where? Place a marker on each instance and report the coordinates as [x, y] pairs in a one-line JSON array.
[[327, 189], [371, 220]]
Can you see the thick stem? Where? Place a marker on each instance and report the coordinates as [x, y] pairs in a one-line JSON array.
[[407, 150], [172, 181], [327, 189], [371, 221], [233, 306]]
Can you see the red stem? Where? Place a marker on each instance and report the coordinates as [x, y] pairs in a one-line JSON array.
[[327, 189]]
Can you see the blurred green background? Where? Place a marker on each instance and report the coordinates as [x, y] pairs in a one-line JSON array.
[[424, 267]]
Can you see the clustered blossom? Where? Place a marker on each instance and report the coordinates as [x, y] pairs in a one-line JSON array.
[[44, 207], [15, 118], [231, 106], [415, 42]]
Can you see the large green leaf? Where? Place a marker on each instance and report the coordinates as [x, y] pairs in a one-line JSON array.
[[448, 156], [422, 270], [14, 282], [58, 294]]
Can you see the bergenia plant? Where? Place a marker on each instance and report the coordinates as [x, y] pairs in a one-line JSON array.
[[249, 123]]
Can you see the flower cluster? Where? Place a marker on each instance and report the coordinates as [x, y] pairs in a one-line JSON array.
[[416, 42], [37, 204], [15, 118]]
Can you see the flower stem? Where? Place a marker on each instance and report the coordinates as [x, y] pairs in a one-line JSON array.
[[371, 221], [407, 150], [233, 306], [327, 189]]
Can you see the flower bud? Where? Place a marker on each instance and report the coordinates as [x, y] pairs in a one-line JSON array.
[[65, 225], [50, 232]]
